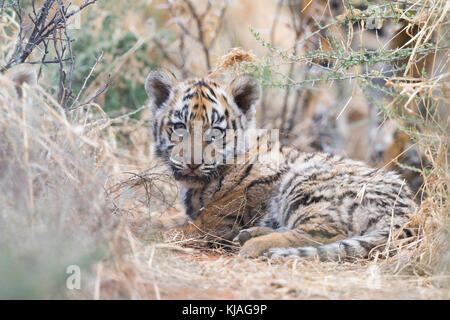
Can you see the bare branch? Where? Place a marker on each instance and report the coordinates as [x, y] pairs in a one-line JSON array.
[[42, 31]]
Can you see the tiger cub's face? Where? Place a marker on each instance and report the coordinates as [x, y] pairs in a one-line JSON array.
[[195, 123]]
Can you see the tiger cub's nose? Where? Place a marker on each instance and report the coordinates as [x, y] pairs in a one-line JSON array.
[[193, 166]]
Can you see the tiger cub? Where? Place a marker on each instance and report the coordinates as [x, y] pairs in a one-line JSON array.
[[294, 204]]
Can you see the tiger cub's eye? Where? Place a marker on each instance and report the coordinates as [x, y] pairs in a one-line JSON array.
[[179, 129], [179, 125], [217, 133]]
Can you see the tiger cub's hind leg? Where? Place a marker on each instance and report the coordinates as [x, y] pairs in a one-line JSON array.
[[355, 247]]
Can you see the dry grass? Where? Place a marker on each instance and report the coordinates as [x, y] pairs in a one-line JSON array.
[[53, 213], [157, 265]]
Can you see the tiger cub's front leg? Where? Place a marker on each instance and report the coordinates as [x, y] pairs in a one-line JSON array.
[[247, 234], [177, 221], [259, 245], [221, 219], [212, 225]]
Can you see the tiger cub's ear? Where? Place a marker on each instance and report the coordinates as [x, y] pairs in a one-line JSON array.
[[245, 91], [159, 86], [21, 75]]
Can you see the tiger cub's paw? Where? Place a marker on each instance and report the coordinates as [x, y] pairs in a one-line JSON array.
[[256, 247], [247, 234], [301, 252]]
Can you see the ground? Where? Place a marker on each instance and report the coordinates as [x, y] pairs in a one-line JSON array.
[[168, 270]]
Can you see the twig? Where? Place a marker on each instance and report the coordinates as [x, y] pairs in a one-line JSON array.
[[86, 80]]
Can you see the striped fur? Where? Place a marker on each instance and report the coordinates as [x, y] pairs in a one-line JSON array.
[[304, 205]]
